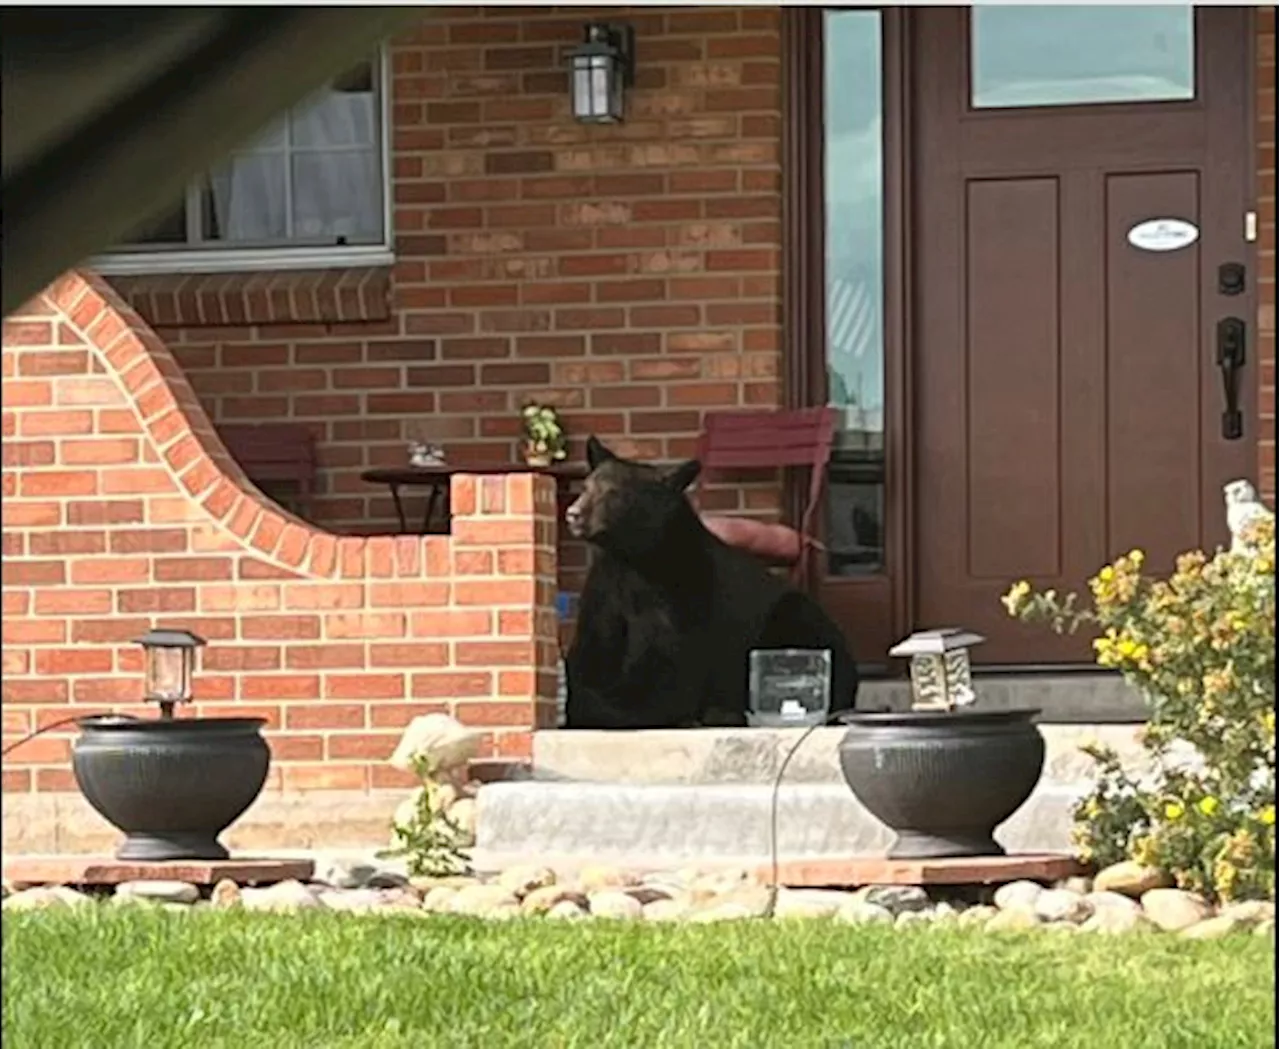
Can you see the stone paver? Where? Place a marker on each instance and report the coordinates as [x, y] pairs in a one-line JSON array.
[[862, 870], [103, 870]]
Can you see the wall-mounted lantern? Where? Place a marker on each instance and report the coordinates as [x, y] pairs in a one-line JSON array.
[[603, 67], [940, 674], [170, 663]]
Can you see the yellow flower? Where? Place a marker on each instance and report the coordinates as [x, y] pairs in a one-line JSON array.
[[1267, 817], [1208, 805], [1107, 574], [1136, 556], [1174, 811], [1224, 878], [1018, 593], [1106, 651]]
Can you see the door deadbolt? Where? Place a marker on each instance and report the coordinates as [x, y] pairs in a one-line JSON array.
[[1231, 279]]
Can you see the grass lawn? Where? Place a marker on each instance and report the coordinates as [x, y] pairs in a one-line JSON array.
[[113, 977]]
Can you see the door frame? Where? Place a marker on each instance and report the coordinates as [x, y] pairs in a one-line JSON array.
[[880, 604], [884, 605]]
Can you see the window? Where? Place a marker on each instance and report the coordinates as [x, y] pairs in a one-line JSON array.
[[854, 186], [309, 191], [1059, 56]]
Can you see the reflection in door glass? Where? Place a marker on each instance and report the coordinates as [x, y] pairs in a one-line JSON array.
[[854, 189], [1075, 55]]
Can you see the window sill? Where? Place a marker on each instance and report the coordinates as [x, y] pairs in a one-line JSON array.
[[264, 260], [341, 294]]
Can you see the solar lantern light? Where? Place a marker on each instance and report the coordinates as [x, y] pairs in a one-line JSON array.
[[170, 661], [940, 674]]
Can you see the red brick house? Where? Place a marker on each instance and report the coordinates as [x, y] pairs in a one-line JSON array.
[[938, 220]]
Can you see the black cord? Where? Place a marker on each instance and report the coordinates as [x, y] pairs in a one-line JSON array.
[[773, 805], [63, 721]]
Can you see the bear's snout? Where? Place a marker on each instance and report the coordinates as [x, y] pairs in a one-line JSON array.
[[573, 518]]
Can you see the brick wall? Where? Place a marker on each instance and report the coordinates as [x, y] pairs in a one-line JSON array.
[[627, 274], [122, 511], [1265, 137]]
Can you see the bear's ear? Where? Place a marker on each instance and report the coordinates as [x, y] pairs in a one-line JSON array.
[[597, 453], [680, 477]]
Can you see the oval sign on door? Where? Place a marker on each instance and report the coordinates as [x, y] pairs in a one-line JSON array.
[[1163, 234]]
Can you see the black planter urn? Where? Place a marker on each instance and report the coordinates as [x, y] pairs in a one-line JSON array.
[[942, 781], [171, 785]]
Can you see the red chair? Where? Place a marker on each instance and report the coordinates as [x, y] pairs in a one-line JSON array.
[[769, 440], [272, 454]]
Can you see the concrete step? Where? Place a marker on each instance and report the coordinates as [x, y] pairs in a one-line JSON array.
[[1064, 698], [1076, 697], [649, 825], [752, 756], [652, 798]]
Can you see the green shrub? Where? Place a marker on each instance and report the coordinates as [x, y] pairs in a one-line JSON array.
[[1201, 647], [433, 844]]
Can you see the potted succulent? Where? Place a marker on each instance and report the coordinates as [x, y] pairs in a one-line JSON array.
[[544, 437]]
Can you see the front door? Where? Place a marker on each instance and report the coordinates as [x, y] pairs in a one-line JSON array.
[[1068, 401]]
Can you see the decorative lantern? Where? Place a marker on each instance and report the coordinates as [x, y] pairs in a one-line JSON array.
[[940, 675], [170, 659], [603, 66]]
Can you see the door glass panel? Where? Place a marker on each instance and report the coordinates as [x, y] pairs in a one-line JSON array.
[[1074, 55], [854, 187]]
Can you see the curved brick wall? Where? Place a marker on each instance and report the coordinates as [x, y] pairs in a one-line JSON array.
[[123, 510]]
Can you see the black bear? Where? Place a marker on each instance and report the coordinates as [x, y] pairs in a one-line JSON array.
[[669, 613]]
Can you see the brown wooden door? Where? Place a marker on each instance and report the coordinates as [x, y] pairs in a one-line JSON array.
[[1067, 399]]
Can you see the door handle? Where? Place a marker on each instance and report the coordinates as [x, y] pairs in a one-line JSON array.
[[1231, 358]]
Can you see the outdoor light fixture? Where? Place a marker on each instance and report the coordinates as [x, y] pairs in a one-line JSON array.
[[940, 676], [604, 65], [170, 659]]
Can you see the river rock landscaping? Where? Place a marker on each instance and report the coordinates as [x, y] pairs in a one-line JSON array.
[[1122, 899]]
